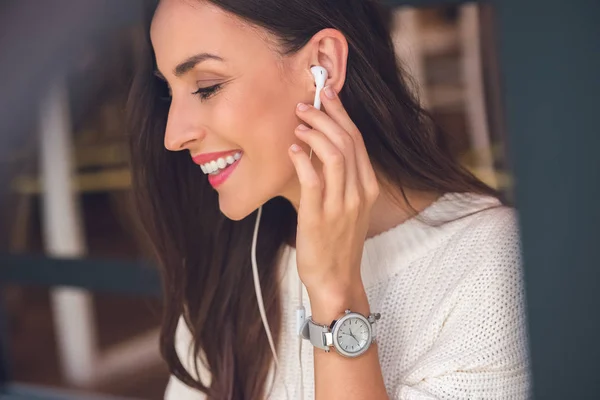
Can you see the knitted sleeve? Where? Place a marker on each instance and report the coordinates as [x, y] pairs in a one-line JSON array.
[[481, 351], [177, 390]]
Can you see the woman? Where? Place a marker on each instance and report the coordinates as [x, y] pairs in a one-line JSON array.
[[380, 220]]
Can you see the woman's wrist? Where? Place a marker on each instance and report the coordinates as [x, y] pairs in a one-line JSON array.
[[328, 303]]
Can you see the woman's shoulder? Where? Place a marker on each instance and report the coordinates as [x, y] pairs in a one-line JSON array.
[[451, 234], [482, 234], [480, 219], [468, 225], [480, 263], [495, 224], [493, 228], [475, 280], [487, 245]]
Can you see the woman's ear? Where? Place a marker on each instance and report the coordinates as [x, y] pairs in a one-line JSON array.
[[329, 49]]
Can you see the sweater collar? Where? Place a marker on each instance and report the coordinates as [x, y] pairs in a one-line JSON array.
[[387, 252]]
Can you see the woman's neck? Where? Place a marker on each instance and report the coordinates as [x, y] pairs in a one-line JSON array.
[[390, 209]]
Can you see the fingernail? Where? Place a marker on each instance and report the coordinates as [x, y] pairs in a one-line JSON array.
[[329, 92], [295, 148], [302, 106], [302, 127]]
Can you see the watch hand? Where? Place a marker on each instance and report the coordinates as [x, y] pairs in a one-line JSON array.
[[351, 335]]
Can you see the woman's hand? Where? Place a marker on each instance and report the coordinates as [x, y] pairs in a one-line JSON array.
[[335, 202]]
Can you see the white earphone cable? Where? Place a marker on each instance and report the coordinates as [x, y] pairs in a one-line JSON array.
[[300, 313], [259, 297]]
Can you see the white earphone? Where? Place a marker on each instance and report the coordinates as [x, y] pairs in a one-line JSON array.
[[320, 75]]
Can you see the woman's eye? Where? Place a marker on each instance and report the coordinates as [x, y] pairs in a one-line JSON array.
[[205, 93]]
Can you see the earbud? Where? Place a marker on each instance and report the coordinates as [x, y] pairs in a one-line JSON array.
[[320, 75]]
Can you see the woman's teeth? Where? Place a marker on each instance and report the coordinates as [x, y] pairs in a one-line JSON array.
[[216, 166]]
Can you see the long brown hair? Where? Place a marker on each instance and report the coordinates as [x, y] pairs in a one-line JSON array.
[[205, 257]]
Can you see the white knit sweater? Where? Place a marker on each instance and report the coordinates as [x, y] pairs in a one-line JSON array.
[[451, 298]]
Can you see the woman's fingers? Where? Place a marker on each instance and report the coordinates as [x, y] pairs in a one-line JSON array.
[[334, 164], [344, 142], [336, 111], [311, 190]]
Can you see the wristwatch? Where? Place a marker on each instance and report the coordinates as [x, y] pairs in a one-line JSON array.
[[351, 334]]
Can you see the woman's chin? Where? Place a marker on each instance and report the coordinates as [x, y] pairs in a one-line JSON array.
[[235, 212]]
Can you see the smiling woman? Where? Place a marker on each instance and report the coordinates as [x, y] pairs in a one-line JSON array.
[[244, 94], [383, 219]]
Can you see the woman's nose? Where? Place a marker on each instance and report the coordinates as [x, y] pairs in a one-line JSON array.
[[176, 141], [183, 131]]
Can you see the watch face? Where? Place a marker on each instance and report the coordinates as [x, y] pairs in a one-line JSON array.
[[352, 335]]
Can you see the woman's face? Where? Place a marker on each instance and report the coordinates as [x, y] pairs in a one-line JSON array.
[[252, 110]]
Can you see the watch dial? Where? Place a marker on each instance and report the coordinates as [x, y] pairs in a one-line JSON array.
[[353, 335]]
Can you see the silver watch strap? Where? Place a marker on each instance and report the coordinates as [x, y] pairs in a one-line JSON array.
[[315, 333]]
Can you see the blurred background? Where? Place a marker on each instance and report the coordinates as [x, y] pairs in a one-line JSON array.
[[79, 295]]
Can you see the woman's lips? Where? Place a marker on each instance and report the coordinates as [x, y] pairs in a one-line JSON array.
[[218, 179]]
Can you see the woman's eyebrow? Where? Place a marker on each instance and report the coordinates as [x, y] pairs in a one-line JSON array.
[[189, 64], [192, 61]]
